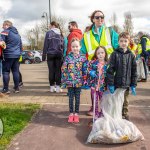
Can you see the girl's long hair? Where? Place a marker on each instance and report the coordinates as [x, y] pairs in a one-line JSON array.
[[95, 53], [53, 23]]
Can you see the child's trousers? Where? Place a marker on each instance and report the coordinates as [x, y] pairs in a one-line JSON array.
[[74, 92], [125, 104], [98, 98]]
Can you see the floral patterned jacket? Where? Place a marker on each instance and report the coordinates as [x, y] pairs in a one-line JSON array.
[[97, 82], [73, 70]]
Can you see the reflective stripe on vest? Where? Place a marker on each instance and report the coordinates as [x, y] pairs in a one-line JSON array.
[[91, 43], [147, 46]]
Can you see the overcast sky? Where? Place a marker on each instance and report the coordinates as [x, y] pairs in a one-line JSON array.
[[26, 13]]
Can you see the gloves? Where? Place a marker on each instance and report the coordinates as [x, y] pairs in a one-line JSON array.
[[93, 73], [43, 57], [133, 90], [111, 89]]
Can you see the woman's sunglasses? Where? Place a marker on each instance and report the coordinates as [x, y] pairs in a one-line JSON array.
[[98, 17]]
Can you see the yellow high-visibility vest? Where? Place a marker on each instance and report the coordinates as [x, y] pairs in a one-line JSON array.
[[139, 47], [91, 43], [133, 49], [20, 59]]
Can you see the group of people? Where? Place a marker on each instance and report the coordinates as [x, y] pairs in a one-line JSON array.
[[99, 60], [85, 64], [80, 61]]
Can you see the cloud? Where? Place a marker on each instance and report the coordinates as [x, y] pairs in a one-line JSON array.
[[27, 10], [26, 13]]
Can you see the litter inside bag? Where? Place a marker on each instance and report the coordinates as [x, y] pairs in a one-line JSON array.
[[111, 128]]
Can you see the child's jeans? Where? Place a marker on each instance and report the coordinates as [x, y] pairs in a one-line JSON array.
[[74, 92], [98, 98]]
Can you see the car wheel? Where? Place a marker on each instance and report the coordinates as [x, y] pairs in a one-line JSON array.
[[27, 61], [37, 60]]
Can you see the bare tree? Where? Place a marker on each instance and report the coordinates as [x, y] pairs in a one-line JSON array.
[[35, 36], [128, 24], [113, 22], [62, 22]]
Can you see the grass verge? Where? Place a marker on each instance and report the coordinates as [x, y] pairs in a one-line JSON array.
[[15, 117]]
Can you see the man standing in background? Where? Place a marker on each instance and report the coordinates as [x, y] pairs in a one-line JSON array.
[[74, 33]]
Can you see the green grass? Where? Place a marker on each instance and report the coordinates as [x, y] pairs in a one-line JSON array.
[[15, 117]]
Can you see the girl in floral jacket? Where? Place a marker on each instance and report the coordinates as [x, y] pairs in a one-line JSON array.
[[96, 78], [72, 77]]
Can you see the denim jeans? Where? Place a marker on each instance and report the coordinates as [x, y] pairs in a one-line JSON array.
[[74, 92], [10, 64]]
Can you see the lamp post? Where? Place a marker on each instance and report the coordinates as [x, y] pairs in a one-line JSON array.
[[45, 15], [50, 19]]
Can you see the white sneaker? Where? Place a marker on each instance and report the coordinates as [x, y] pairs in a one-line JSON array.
[[58, 89], [52, 89]]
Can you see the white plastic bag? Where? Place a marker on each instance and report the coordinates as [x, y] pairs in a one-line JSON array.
[[112, 128], [140, 69]]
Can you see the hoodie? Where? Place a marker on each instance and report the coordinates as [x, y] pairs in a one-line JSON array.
[[53, 43], [13, 43], [75, 33], [122, 70]]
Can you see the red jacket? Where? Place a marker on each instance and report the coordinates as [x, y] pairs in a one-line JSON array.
[[75, 33]]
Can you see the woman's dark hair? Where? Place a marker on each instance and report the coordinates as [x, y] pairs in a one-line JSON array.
[[53, 23], [74, 23], [95, 53], [92, 17]]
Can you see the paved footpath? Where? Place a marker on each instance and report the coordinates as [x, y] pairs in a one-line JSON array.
[[49, 129]]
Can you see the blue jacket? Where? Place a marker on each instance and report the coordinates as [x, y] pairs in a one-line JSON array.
[[54, 43], [13, 43]]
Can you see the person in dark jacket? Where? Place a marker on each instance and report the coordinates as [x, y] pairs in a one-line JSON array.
[[144, 51], [122, 71], [74, 33], [53, 50], [11, 56]]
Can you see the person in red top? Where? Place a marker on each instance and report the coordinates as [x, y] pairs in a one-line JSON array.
[[74, 33]]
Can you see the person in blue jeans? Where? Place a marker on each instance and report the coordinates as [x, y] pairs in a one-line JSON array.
[[11, 56]]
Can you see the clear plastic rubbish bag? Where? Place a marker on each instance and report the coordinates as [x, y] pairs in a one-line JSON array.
[[140, 69], [111, 128]]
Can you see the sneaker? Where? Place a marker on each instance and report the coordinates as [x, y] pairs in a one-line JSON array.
[[16, 90], [76, 118], [5, 91], [21, 84], [90, 112], [52, 89], [70, 118], [58, 89]]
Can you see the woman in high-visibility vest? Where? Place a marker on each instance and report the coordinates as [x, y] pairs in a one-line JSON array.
[[98, 35]]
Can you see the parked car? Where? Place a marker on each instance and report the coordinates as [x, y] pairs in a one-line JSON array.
[[37, 56], [27, 57]]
